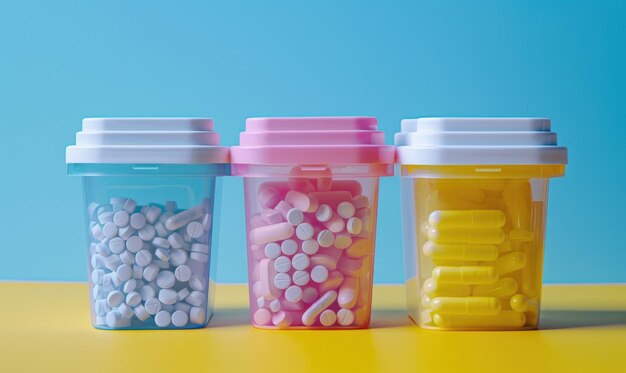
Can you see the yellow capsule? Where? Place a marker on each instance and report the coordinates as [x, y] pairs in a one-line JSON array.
[[432, 288], [501, 320], [454, 263], [505, 247], [461, 251], [504, 287], [521, 235], [510, 262], [426, 301], [518, 201], [488, 236], [519, 303], [467, 275], [466, 305], [467, 218]]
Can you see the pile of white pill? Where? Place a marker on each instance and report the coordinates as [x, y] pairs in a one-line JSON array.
[[149, 264], [311, 248]]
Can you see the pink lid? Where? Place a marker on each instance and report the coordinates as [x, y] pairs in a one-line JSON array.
[[312, 141]]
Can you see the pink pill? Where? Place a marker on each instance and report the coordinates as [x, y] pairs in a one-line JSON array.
[[360, 202], [257, 221], [332, 199], [268, 196], [267, 274], [323, 260], [270, 233], [286, 305], [335, 279], [309, 295], [262, 316], [271, 216], [301, 201], [343, 241], [283, 208], [336, 224], [282, 319], [350, 267], [352, 186], [348, 292]]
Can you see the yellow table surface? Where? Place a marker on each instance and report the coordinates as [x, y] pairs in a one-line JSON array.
[[45, 327]]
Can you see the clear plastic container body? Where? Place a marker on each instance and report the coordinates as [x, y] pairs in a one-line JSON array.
[[149, 238], [311, 233], [473, 243]]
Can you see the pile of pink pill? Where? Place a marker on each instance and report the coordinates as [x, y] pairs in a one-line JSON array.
[[311, 251]]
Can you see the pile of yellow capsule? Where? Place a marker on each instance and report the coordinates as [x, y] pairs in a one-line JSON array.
[[481, 256]]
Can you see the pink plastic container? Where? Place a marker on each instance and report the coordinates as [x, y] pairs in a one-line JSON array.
[[311, 195]]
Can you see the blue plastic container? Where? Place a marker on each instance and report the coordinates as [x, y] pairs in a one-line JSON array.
[[151, 192]]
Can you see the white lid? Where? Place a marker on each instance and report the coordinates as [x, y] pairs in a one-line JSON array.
[[473, 141], [147, 140]]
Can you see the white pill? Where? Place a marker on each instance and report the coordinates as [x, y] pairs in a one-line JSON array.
[[146, 293], [162, 254], [181, 306], [354, 225], [133, 298], [272, 250], [301, 278], [153, 214], [319, 274], [162, 319], [102, 249], [262, 316], [179, 318], [300, 261], [101, 307], [147, 233], [150, 272], [115, 279], [345, 317], [130, 285], [197, 315], [293, 294], [326, 238], [177, 257], [195, 298], [289, 247], [200, 248], [295, 217], [124, 272], [127, 258], [195, 229], [310, 247], [176, 240], [137, 220], [328, 318], [125, 310], [165, 280], [305, 231], [96, 276], [121, 218], [143, 258], [126, 232], [110, 230], [183, 273], [96, 232], [161, 242], [168, 307], [160, 230], [113, 319], [106, 217], [141, 313], [117, 245], [282, 281], [199, 257], [182, 294], [195, 283], [206, 222], [152, 306], [168, 296], [282, 264], [115, 298], [309, 295], [134, 244], [260, 302], [323, 213], [112, 262], [346, 210], [97, 291], [275, 305], [130, 205]]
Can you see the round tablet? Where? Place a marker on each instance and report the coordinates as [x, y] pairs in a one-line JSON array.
[[293, 294], [133, 298], [289, 247], [168, 296], [178, 257], [117, 245], [305, 231], [137, 220], [121, 218], [295, 217], [323, 213], [124, 272], [147, 233], [262, 316], [319, 274], [146, 293], [195, 229], [152, 305], [328, 318], [130, 286], [345, 317], [272, 250], [115, 298], [183, 273], [176, 240], [345, 210], [196, 283], [309, 295], [165, 280], [354, 225], [326, 238], [343, 241], [197, 315], [179, 318], [162, 319], [134, 244], [110, 230], [282, 281], [143, 258], [275, 305], [310, 247], [282, 264], [300, 261], [301, 278]]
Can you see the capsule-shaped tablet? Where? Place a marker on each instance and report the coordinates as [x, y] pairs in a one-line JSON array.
[[505, 287], [467, 218], [461, 251], [433, 289], [510, 262], [489, 236], [466, 275], [518, 202], [466, 305], [271, 233], [503, 319]]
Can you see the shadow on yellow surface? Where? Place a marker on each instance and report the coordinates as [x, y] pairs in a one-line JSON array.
[[563, 319]]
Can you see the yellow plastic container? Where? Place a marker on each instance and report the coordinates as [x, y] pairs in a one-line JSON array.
[[474, 219]]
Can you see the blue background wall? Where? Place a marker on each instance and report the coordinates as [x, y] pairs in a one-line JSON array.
[[64, 60]]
